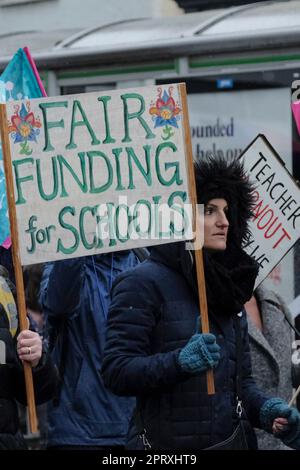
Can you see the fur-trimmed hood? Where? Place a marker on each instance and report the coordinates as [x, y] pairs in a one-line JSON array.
[[220, 178]]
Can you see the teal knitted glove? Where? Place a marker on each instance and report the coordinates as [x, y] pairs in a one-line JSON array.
[[199, 354], [275, 408]]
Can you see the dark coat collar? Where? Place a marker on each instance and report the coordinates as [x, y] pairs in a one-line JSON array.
[[229, 275]]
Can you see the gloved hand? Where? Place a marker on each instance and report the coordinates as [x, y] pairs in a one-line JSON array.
[[275, 408], [200, 353]]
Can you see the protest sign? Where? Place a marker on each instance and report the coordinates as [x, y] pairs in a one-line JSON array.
[[99, 172], [275, 225]]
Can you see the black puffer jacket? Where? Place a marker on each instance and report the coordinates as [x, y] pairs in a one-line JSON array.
[[12, 386], [153, 314]]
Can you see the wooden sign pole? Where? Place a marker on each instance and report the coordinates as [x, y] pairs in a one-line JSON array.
[[198, 252], [16, 260]]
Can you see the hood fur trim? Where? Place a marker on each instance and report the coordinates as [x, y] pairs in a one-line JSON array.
[[220, 178]]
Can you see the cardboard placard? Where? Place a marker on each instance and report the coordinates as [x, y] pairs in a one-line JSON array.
[[275, 226], [99, 172]]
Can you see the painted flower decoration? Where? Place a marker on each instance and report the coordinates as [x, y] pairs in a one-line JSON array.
[[165, 112], [24, 127]]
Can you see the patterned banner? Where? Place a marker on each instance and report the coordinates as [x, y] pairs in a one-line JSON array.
[[20, 80]]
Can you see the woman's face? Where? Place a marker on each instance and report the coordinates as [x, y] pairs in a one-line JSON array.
[[215, 225]]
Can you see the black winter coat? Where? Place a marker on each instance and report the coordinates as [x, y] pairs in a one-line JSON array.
[[12, 387], [153, 314]]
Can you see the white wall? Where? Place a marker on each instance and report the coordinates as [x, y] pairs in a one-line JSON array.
[[245, 114], [64, 14]]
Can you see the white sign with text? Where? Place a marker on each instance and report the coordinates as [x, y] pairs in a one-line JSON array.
[[100, 172], [275, 225]]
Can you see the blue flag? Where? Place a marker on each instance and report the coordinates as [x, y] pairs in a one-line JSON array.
[[18, 81]]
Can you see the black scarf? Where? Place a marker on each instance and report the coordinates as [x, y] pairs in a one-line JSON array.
[[230, 275], [230, 278]]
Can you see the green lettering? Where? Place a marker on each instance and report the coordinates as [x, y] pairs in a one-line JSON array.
[[176, 175], [116, 153], [83, 211], [157, 216], [136, 215], [60, 247], [108, 138], [105, 186], [31, 231], [104, 218], [135, 115], [19, 180], [51, 124], [179, 209], [83, 122], [54, 178], [146, 173], [123, 221], [64, 164], [161, 213]]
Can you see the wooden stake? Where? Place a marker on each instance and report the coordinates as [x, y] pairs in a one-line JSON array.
[[198, 252], [16, 260]]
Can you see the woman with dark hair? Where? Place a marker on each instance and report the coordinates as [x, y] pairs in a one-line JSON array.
[[154, 349]]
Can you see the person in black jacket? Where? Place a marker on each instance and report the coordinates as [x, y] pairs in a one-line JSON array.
[[14, 349], [154, 349]]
